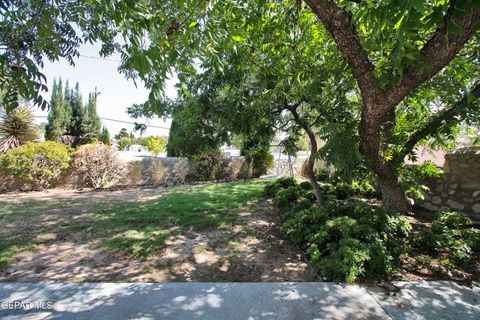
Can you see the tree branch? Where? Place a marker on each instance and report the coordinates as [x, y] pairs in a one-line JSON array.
[[430, 128], [339, 24], [438, 52], [314, 149]]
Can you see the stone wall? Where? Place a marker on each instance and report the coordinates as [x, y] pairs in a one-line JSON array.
[[148, 171], [459, 187], [175, 171]]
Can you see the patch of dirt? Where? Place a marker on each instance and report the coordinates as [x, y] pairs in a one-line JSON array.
[[252, 249]]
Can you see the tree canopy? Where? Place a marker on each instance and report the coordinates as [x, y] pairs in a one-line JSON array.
[[383, 76]]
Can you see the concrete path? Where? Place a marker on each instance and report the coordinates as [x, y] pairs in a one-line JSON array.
[[413, 300]]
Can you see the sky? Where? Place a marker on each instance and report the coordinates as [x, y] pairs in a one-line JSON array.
[[116, 92]]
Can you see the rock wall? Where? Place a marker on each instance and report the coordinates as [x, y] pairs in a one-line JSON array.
[[174, 171], [459, 187], [148, 171]]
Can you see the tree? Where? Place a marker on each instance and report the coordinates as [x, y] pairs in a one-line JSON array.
[[58, 116], [105, 137], [124, 143], [17, 127], [155, 145], [424, 44], [256, 91], [91, 122], [77, 113], [397, 52], [191, 134], [398, 49], [122, 134]]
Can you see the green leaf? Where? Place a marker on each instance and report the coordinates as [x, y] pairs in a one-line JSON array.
[[299, 77], [238, 38]]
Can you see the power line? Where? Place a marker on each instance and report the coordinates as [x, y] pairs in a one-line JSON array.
[[99, 58], [121, 121]]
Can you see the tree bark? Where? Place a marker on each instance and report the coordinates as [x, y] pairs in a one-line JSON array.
[[392, 194], [310, 172], [311, 159]]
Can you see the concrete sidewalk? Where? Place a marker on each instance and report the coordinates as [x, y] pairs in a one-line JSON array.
[[414, 300]]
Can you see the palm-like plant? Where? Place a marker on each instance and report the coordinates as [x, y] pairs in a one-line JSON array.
[[16, 128]]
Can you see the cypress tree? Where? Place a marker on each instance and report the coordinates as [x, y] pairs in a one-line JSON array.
[[77, 111], [91, 125], [57, 116], [105, 136], [67, 104]]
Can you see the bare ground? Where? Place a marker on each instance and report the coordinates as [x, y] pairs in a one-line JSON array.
[[252, 249]]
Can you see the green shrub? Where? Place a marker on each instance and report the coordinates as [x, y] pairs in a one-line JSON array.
[[261, 159], [273, 187], [36, 164], [302, 203], [363, 188], [286, 182], [346, 262], [412, 177], [452, 234], [350, 240], [343, 191], [285, 198], [322, 174], [300, 225], [306, 185]]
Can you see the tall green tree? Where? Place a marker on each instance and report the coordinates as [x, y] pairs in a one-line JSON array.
[[77, 113], [394, 51], [123, 133], [105, 136], [400, 54], [58, 116], [91, 124], [192, 134]]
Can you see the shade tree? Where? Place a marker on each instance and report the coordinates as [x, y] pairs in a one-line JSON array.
[[395, 51]]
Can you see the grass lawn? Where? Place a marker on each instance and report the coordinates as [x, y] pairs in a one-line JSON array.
[[134, 227]]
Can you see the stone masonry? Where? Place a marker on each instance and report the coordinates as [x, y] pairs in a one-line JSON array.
[[459, 187]]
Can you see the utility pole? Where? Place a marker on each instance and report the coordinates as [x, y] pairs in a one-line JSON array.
[[95, 95]]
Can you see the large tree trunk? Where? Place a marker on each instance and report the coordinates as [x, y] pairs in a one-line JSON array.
[[392, 194]]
